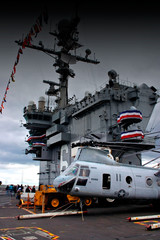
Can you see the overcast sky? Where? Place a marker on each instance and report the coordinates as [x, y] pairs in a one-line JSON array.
[[124, 37]]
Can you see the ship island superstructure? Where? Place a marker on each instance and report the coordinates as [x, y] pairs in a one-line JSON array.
[[116, 114]]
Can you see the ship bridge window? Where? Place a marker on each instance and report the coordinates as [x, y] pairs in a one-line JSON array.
[[40, 117], [72, 170], [84, 171], [39, 153], [95, 155], [29, 116], [34, 116], [47, 118]]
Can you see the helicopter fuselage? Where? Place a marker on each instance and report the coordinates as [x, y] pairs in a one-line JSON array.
[[92, 176]]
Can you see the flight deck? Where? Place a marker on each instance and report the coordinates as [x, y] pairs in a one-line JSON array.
[[98, 223]]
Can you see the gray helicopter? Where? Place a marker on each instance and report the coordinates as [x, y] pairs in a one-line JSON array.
[[95, 173]]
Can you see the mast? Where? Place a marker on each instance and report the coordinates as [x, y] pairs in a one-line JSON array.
[[67, 39]]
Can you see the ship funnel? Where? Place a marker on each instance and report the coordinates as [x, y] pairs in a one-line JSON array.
[[41, 104]]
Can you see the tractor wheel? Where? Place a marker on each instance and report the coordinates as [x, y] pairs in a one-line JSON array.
[[54, 202]]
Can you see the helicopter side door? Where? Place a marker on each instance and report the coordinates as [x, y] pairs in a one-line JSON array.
[[118, 183], [147, 186]]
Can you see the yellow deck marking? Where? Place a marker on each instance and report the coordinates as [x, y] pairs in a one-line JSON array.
[[36, 228], [146, 223]]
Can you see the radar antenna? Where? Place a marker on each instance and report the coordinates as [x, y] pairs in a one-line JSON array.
[[67, 36]]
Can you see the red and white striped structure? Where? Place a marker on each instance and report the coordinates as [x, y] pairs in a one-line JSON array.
[[132, 134], [37, 141], [129, 117], [35, 137]]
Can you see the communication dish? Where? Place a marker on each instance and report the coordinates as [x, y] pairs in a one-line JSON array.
[[112, 74]]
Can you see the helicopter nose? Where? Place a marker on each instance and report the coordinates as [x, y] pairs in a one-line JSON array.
[[64, 185], [57, 181]]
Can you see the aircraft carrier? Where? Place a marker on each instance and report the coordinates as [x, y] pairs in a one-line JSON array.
[[117, 114]]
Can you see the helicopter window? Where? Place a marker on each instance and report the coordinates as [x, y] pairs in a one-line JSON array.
[[158, 182], [128, 179], [77, 154], [81, 182], [106, 181], [149, 182], [72, 171], [94, 155], [84, 171]]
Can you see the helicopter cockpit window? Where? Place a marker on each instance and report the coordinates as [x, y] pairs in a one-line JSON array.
[[72, 170], [95, 155], [81, 182], [84, 171]]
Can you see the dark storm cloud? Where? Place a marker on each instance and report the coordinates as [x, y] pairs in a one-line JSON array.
[[122, 34]]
